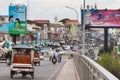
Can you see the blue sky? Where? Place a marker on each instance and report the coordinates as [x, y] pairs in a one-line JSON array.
[[47, 9]]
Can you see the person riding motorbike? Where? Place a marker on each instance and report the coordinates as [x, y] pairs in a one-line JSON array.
[[8, 57], [59, 57], [54, 59]]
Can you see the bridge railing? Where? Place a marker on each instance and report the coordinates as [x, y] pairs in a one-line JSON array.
[[89, 70]]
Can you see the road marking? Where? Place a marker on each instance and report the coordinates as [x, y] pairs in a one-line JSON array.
[[55, 72]]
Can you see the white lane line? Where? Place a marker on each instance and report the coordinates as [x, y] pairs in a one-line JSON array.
[[55, 72]]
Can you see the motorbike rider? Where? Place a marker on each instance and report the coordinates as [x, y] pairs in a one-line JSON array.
[[8, 57], [59, 57], [54, 59]]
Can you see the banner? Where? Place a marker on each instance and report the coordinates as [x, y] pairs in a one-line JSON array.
[[17, 19], [105, 18], [102, 17]]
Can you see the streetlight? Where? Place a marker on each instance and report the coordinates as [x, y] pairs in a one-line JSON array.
[[84, 27], [74, 10], [76, 13]]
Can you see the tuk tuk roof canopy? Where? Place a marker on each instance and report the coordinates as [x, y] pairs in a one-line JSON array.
[[23, 46]]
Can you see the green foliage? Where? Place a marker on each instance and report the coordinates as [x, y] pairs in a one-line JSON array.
[[101, 50], [111, 63]]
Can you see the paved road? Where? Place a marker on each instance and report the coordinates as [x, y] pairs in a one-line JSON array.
[[47, 71]]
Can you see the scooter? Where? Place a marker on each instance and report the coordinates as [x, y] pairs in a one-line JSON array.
[[59, 58], [8, 61]]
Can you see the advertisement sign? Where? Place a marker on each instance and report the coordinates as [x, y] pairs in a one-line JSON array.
[[102, 17], [17, 19], [73, 30]]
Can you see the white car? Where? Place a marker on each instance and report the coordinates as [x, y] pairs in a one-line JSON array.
[[52, 52], [61, 52], [66, 47]]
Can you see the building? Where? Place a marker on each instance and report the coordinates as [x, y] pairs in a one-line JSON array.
[[45, 25], [72, 29], [57, 31], [3, 19]]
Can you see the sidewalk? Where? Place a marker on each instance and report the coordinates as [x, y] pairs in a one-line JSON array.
[[68, 72]]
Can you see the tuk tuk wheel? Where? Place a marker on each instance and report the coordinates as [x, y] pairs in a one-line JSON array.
[[32, 75], [11, 74], [35, 64], [23, 74]]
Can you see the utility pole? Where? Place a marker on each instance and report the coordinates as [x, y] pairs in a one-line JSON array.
[[84, 28]]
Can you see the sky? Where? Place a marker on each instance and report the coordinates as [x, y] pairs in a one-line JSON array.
[[48, 9]]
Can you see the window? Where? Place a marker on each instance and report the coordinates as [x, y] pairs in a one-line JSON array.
[[2, 18]]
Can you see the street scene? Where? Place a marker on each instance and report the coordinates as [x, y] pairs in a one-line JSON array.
[[59, 40]]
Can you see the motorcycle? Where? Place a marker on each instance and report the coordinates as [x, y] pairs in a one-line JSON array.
[[59, 58], [8, 58], [8, 61], [54, 59]]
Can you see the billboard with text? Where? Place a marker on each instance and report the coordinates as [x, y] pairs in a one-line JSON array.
[[17, 19], [102, 17]]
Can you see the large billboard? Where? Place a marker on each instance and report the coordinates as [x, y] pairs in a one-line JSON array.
[[102, 17], [17, 19]]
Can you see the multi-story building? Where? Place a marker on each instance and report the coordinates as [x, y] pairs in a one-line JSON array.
[[72, 29], [57, 31], [45, 25]]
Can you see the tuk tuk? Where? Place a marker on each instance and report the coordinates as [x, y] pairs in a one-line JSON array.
[[22, 60], [36, 59]]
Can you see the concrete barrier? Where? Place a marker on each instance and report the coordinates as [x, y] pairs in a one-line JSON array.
[[89, 70]]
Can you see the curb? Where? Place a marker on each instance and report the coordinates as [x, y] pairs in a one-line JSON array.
[[76, 73]]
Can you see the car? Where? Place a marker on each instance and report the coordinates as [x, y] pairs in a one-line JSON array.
[[52, 53], [60, 50], [66, 47]]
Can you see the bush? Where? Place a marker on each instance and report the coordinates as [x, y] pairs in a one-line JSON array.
[[111, 63], [101, 50]]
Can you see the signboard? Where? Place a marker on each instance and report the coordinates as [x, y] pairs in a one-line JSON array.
[[102, 17], [17, 19], [73, 30]]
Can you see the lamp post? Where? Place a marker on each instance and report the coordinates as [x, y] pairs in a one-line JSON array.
[[74, 10], [84, 27]]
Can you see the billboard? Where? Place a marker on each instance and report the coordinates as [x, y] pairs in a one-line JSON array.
[[102, 17], [17, 19], [73, 30]]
